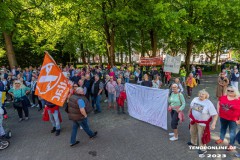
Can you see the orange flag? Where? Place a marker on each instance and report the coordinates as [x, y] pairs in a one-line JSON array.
[[52, 85]]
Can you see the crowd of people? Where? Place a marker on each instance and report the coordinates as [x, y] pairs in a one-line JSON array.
[[89, 83]]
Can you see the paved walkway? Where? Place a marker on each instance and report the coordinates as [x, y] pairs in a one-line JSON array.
[[120, 138]]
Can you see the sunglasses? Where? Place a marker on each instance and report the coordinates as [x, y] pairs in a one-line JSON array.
[[230, 91], [17, 83], [75, 86]]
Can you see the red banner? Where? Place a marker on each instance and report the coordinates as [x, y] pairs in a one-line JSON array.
[[52, 85], [152, 61]]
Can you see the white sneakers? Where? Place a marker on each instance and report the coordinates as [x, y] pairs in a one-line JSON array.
[[173, 138], [105, 100]]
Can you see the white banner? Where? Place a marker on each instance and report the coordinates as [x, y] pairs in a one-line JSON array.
[[148, 104], [172, 64]]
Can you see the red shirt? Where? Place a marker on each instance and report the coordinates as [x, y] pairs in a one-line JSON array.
[[229, 109]]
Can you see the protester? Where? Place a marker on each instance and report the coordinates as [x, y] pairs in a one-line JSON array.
[[167, 78], [33, 88], [96, 91], [229, 112], [138, 76], [98, 73], [20, 99], [107, 79], [88, 84], [75, 78], [177, 81], [81, 84], [200, 113], [193, 68], [191, 83], [119, 88], [222, 85], [73, 90], [52, 113], [112, 73], [111, 93], [224, 71], [176, 106], [183, 74], [127, 76], [27, 76], [146, 82], [156, 83], [77, 112], [154, 72], [198, 75], [235, 78]]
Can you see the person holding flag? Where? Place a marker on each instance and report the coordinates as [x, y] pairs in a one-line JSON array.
[[53, 87]]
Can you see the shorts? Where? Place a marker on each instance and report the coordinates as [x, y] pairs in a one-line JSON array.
[[111, 98], [175, 119]]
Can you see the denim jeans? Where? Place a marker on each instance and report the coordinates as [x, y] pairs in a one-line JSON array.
[[84, 125], [54, 119], [96, 100], [232, 130], [43, 102], [126, 80]]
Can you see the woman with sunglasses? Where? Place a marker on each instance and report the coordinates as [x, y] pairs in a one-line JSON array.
[[229, 113], [20, 91]]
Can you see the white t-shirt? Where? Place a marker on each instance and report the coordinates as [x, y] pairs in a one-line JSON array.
[[202, 110]]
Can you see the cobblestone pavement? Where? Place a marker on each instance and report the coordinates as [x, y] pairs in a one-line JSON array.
[[120, 137]]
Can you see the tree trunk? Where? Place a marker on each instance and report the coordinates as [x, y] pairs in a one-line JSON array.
[[107, 54], [88, 54], [142, 44], [217, 56], [100, 59], [110, 34], [118, 57], [189, 53], [83, 56], [112, 43], [129, 51], [10, 51], [153, 38], [93, 60], [121, 56], [211, 58]]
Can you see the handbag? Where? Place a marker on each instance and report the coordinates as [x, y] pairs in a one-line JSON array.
[[17, 103]]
